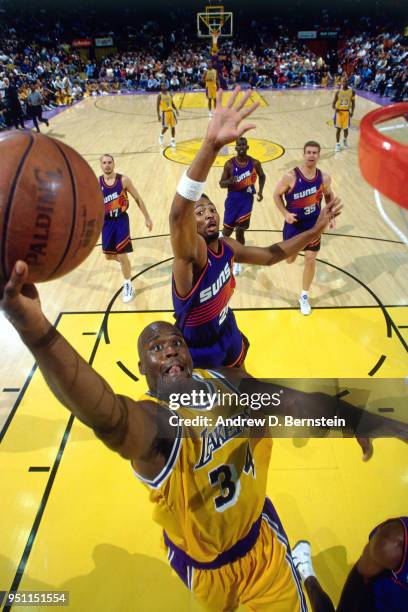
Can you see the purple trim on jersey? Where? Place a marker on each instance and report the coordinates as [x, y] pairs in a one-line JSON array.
[[184, 565]]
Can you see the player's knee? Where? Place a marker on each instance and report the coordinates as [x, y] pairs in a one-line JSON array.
[[110, 257]]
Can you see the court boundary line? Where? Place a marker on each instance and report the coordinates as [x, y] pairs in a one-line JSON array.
[[43, 503], [22, 391]]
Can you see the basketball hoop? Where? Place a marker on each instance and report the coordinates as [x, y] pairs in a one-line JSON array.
[[383, 161]]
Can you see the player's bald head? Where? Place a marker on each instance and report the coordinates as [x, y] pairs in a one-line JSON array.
[[154, 330]]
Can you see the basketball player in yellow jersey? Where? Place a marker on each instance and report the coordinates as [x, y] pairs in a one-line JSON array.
[[343, 104], [223, 536], [212, 83], [166, 113]]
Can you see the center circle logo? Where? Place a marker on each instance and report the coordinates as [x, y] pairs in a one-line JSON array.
[[263, 150]]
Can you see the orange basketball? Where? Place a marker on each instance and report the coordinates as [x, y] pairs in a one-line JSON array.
[[51, 206]]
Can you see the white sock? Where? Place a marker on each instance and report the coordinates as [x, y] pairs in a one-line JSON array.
[[127, 282], [304, 294]]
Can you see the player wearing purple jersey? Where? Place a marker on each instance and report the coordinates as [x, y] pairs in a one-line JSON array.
[[116, 242], [202, 268], [303, 189], [239, 177], [377, 583]]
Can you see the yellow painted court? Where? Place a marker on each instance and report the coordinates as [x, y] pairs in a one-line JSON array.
[[74, 517]]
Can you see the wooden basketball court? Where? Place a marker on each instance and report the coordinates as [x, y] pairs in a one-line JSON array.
[[74, 516]]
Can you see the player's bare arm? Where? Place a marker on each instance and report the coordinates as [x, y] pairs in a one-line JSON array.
[[384, 551], [283, 186], [158, 108], [353, 103], [129, 428], [261, 179], [336, 95], [129, 186], [227, 178], [174, 107], [268, 256], [190, 250]]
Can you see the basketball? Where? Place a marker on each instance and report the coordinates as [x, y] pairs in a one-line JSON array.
[[51, 206]]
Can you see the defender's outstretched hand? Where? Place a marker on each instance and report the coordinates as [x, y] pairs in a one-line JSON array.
[[328, 214], [226, 126], [21, 304]]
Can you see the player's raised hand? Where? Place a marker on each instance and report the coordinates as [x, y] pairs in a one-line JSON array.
[[21, 303], [328, 214], [226, 124]]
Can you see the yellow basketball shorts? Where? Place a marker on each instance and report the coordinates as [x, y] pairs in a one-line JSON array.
[[211, 87], [264, 579], [169, 119], [342, 119]]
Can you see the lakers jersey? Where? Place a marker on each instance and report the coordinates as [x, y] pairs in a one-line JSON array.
[[344, 99], [166, 102], [213, 487], [115, 197], [211, 75]]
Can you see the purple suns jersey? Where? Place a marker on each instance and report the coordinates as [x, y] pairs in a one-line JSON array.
[[305, 197], [202, 313], [391, 588], [115, 198], [244, 176]]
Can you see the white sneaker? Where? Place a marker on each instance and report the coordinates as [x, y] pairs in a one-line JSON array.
[[338, 147], [237, 269], [128, 293], [305, 307], [173, 143], [210, 114], [302, 558], [161, 140], [345, 144]]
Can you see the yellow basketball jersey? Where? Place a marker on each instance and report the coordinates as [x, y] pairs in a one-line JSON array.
[[213, 487], [344, 99], [211, 75], [165, 102]]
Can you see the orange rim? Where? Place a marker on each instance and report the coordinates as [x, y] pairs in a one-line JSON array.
[[383, 161]]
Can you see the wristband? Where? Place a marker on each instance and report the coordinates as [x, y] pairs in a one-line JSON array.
[[189, 189]]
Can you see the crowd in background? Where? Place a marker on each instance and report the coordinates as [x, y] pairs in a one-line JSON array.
[[44, 67]]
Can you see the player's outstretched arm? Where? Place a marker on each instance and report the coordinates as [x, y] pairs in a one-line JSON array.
[[267, 256], [226, 126], [125, 426]]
